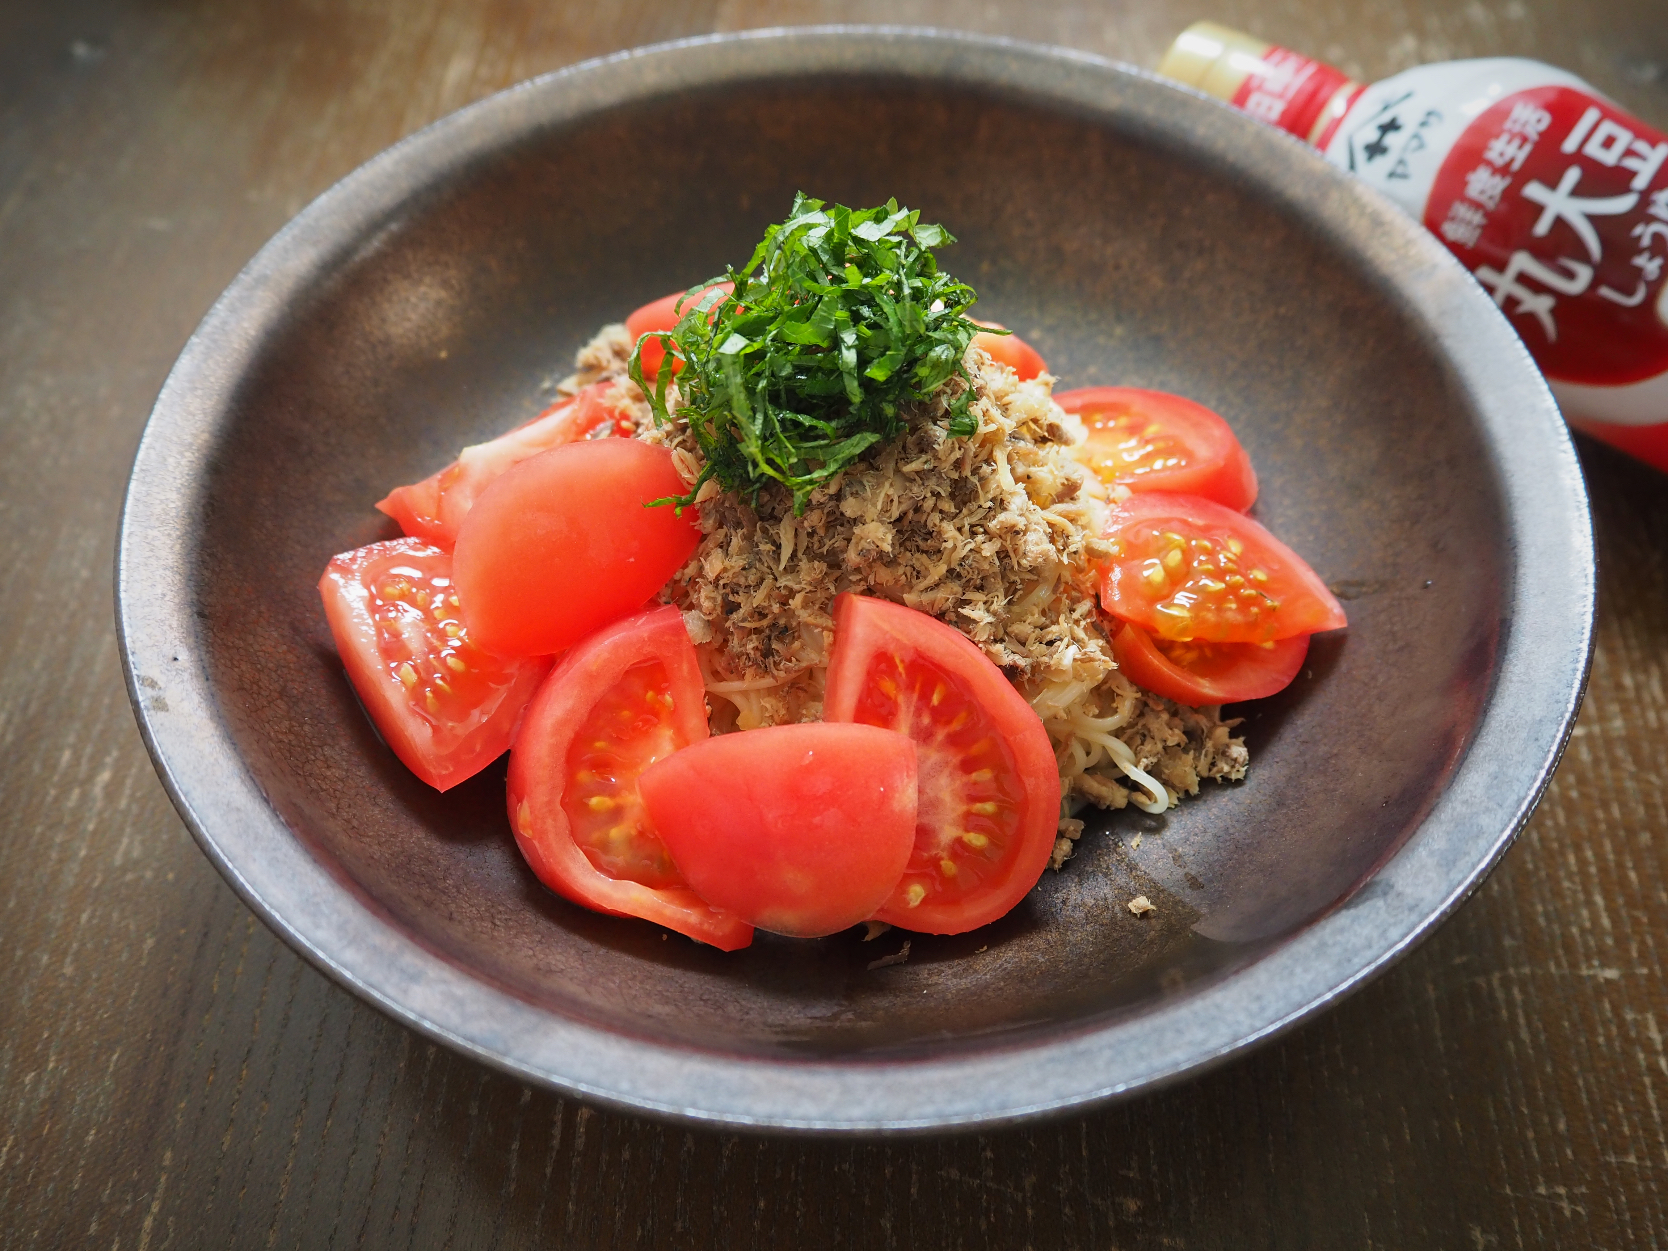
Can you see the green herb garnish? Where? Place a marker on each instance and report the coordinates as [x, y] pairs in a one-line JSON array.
[[840, 320]]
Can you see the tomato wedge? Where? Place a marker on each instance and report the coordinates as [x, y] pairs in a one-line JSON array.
[[800, 829], [1011, 350], [566, 542], [1196, 673], [989, 787], [434, 508], [662, 317], [1185, 568], [622, 699], [445, 708], [1155, 441]]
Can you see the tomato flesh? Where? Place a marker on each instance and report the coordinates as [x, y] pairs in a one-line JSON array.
[[434, 508], [989, 787], [661, 317], [566, 542], [1011, 350], [1198, 673], [624, 698], [625, 732], [445, 708], [1184, 568], [800, 829], [1155, 441]]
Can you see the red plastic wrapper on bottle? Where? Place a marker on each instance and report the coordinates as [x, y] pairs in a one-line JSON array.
[[1555, 200]]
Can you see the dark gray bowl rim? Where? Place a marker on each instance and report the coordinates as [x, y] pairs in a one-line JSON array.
[[1543, 656]]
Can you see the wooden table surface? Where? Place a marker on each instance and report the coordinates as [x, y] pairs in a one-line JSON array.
[[171, 1075]]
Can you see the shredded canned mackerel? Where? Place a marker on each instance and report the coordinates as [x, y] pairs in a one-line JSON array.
[[994, 532]]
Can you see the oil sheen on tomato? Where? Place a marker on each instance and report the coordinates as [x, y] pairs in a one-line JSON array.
[[1126, 444], [421, 638], [1199, 587]]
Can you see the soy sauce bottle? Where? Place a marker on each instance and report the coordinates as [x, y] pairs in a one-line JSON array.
[[1555, 200]]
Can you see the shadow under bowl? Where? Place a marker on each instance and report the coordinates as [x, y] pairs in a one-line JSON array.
[[1136, 233]]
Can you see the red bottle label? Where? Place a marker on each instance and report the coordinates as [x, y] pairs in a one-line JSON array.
[[1558, 203], [1289, 91]]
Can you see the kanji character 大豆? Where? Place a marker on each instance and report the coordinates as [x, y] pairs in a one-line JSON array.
[[1528, 119], [1486, 187], [1560, 204], [1573, 280], [1464, 224], [1510, 150]]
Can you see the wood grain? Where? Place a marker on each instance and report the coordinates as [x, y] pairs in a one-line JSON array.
[[173, 1076]]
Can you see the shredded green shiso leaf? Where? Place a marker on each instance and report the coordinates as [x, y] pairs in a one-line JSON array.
[[839, 321]]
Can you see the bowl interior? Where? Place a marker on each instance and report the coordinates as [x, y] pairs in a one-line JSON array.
[[1125, 260]]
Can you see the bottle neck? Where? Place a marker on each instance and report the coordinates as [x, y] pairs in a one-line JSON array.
[[1305, 97]]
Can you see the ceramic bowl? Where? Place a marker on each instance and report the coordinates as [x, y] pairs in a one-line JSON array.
[[1136, 233]]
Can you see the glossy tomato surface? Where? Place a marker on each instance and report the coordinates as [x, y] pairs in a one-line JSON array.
[[1184, 567], [434, 508], [989, 787], [626, 697], [1011, 350], [800, 829], [566, 542], [1196, 673], [1155, 441], [662, 316], [445, 708]]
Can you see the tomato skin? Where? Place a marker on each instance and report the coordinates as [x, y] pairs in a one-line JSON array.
[[1011, 350], [1191, 450], [800, 829], [989, 787], [1197, 674], [662, 316], [542, 775], [564, 543], [1174, 574], [434, 508], [446, 725]]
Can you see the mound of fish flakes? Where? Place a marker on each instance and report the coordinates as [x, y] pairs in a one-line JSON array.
[[997, 533]]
